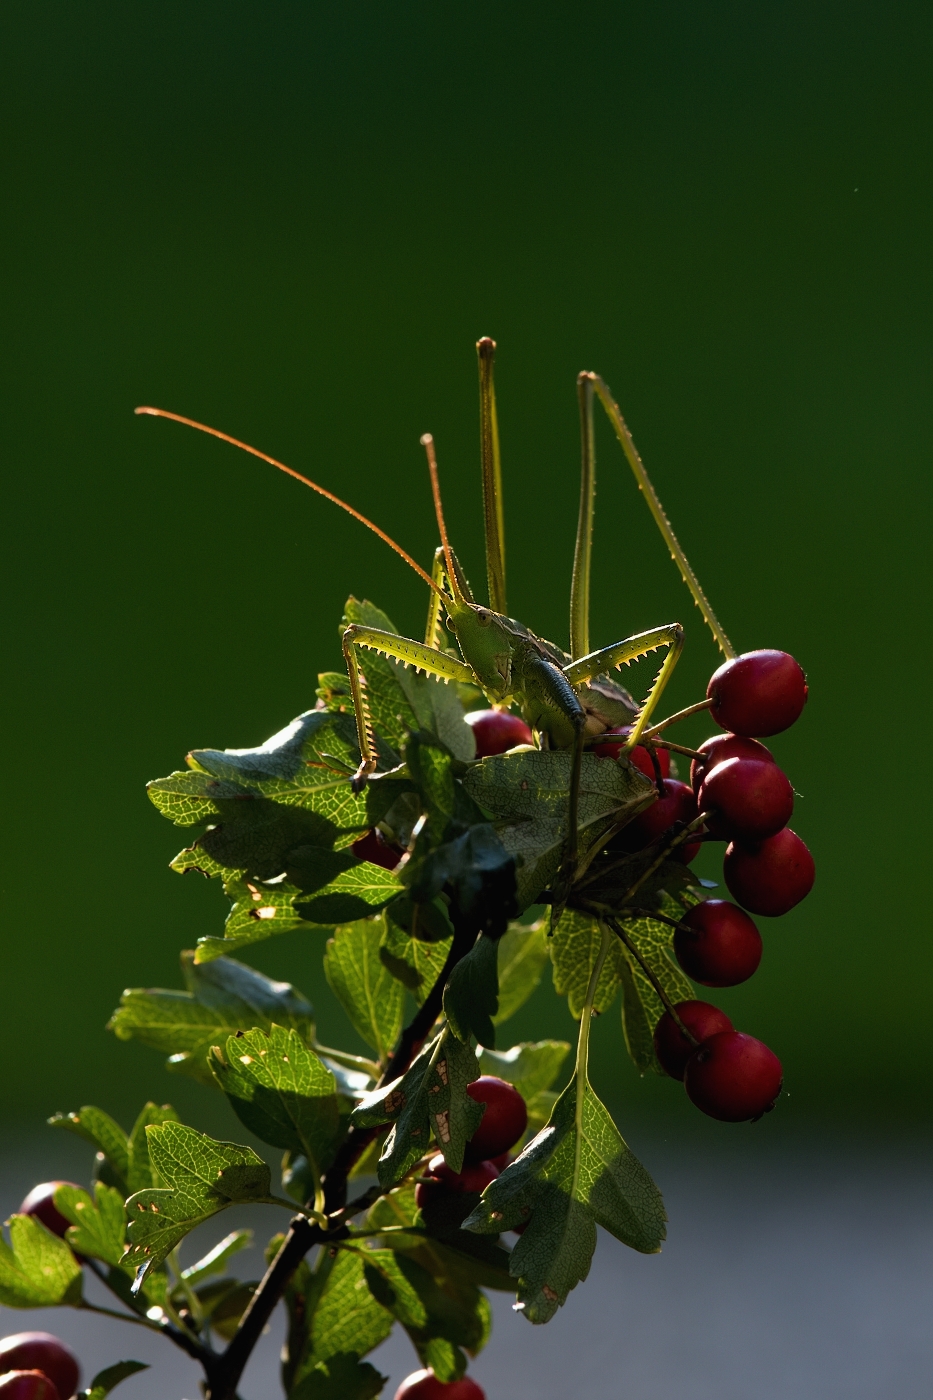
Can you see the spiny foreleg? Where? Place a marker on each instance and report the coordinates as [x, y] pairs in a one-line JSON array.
[[623, 654], [425, 658]]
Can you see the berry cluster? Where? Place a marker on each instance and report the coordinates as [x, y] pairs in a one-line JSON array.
[[36, 1365], [747, 801]]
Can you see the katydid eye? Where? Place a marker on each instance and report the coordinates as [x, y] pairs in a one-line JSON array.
[[483, 617]]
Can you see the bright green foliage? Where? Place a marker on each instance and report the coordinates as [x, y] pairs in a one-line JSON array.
[[281, 1091], [98, 1227], [106, 1381], [471, 997], [575, 1174], [574, 949], [202, 1177], [430, 1098], [104, 1135], [363, 984], [523, 953], [222, 997], [140, 1173], [531, 1067], [342, 1321], [216, 1259], [37, 1269], [415, 963]]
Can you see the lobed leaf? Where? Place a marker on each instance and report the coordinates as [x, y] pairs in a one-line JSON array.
[[98, 1227], [575, 949], [577, 1173], [471, 997], [523, 952], [104, 1135], [37, 1269], [440, 1317], [281, 1091], [642, 1008], [203, 1176], [415, 963], [140, 1173], [364, 985], [222, 997], [430, 1097], [341, 1322]]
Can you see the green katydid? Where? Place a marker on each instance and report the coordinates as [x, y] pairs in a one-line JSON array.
[[564, 697]]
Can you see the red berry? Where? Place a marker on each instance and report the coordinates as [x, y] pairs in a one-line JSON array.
[[717, 944], [677, 805], [639, 756], [40, 1351], [770, 876], [672, 1047], [27, 1385], [424, 1385], [377, 850], [723, 746], [750, 799], [504, 1121], [41, 1203], [733, 1077], [496, 731], [760, 693], [441, 1181]]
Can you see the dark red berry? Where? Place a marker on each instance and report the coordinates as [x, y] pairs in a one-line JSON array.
[[27, 1385], [723, 746], [749, 799], [441, 1181], [40, 1351], [717, 944], [377, 850], [770, 876], [41, 1203], [424, 1385], [504, 1121], [672, 1047], [496, 731], [733, 1077], [677, 805], [759, 693], [639, 756]]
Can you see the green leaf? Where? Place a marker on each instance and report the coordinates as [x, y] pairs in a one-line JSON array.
[[363, 985], [281, 1091], [529, 793], [107, 1380], [416, 964], [100, 1130], [222, 1301], [37, 1269], [471, 997], [479, 872], [216, 1259], [189, 799], [342, 1320], [440, 1318], [523, 952], [431, 1096], [98, 1227], [222, 997], [307, 764], [139, 1172], [576, 1174], [263, 839], [203, 1176], [575, 948], [532, 1066], [642, 1008], [340, 1377], [612, 877]]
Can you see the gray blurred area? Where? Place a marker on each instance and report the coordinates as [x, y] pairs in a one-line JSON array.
[[804, 1271]]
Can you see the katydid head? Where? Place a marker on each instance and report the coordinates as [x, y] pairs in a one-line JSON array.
[[485, 638]]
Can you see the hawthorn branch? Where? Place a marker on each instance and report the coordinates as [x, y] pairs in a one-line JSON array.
[[223, 1372]]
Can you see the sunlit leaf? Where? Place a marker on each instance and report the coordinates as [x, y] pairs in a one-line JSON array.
[[37, 1269], [364, 986]]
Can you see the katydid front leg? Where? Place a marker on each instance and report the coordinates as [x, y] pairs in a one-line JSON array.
[[417, 654]]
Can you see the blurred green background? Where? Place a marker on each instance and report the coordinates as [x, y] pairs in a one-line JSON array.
[[293, 221]]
